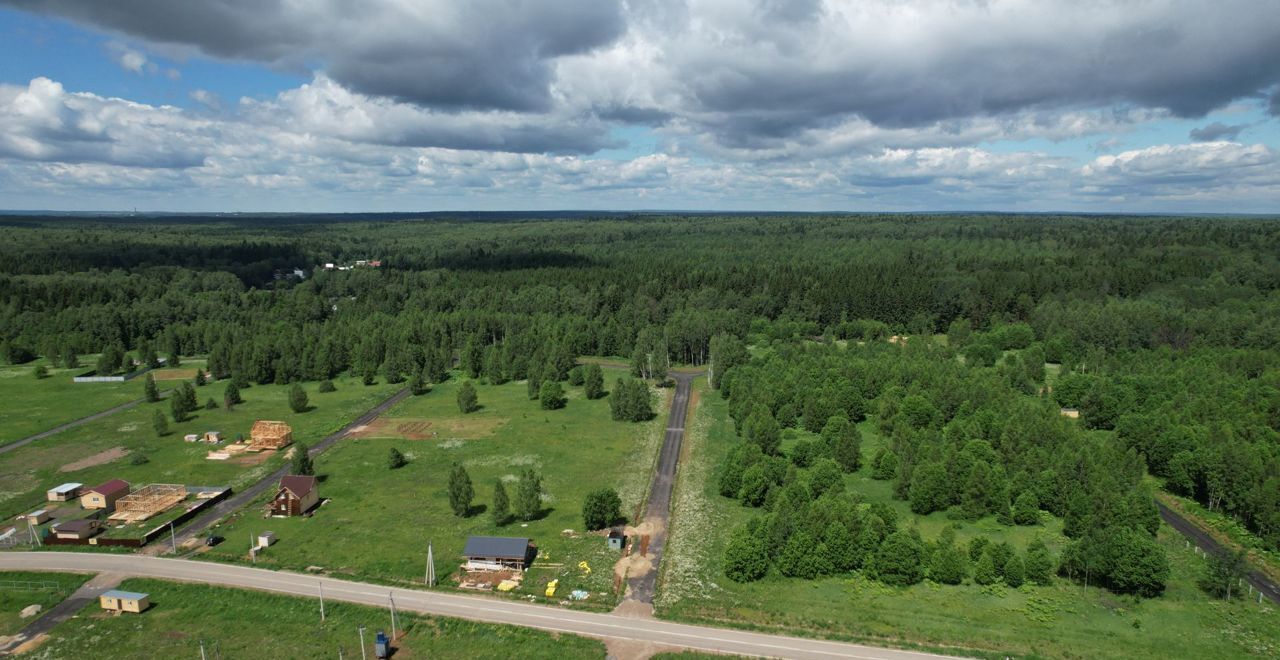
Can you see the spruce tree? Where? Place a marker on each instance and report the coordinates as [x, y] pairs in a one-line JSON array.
[[149, 389], [1013, 572], [551, 395], [300, 463], [160, 424], [593, 382], [468, 400], [395, 459], [1039, 565], [460, 490], [984, 572], [501, 510], [297, 399]]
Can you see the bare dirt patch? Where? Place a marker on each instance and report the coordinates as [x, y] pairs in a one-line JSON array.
[[173, 374], [100, 458], [253, 459], [420, 428]]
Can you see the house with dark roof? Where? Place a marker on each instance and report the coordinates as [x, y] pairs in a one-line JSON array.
[[296, 496], [77, 529], [495, 553], [104, 496]]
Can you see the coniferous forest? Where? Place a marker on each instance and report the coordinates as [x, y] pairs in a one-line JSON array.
[[1164, 333]]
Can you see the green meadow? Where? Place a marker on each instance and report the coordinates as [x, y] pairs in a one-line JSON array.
[[377, 522], [19, 590]]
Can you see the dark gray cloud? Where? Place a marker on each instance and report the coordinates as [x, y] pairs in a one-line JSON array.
[[474, 54], [1274, 107], [1217, 131]]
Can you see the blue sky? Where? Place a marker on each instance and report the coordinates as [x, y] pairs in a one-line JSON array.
[[924, 105]]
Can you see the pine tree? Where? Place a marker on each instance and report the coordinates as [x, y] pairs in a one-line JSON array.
[[501, 510], [200, 378], [297, 399], [551, 396], [395, 459], [231, 395], [178, 408], [160, 424], [529, 496], [593, 382], [300, 462], [1013, 572], [1039, 565], [468, 400], [149, 389], [984, 572], [460, 490]]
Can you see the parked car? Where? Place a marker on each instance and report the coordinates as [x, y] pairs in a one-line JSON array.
[[213, 540]]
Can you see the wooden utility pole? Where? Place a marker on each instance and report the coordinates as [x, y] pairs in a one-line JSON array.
[[321, 585]]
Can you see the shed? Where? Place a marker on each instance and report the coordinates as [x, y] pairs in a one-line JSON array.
[[77, 529], [116, 600], [265, 539], [213, 436], [38, 517], [1070, 412], [65, 492], [296, 496], [616, 539], [494, 553], [104, 496], [190, 437]]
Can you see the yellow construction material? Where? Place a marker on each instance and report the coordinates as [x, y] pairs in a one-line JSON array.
[[551, 588], [585, 567], [507, 585]]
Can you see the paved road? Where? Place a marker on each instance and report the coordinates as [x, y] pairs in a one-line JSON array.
[[204, 521], [87, 593], [1208, 544], [70, 425], [657, 510], [477, 608]]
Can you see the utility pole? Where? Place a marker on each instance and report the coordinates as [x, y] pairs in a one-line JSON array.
[[202, 655], [173, 539], [252, 555], [321, 600], [362, 654], [392, 598], [431, 567]]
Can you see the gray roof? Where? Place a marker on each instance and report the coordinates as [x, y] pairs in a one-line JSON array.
[[505, 547], [124, 595]]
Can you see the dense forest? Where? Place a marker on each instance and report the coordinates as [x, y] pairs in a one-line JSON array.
[[1166, 331]]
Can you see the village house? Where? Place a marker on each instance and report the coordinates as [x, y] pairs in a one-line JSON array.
[[296, 496], [65, 492], [104, 496], [495, 553], [77, 529]]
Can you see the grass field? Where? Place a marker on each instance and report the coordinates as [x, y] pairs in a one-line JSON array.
[[19, 590], [246, 624], [378, 521], [108, 448], [34, 405], [1064, 620]]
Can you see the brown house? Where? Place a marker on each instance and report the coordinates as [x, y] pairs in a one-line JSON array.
[[296, 496], [104, 496], [77, 529]]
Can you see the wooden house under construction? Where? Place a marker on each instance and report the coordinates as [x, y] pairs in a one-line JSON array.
[[148, 501], [269, 435]]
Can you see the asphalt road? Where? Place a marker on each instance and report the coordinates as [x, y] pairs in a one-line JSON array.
[[1205, 542], [70, 425], [476, 608], [658, 509], [87, 593], [204, 521]]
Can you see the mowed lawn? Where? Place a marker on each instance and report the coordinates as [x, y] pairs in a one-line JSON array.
[[108, 448], [30, 405], [1062, 621], [377, 522], [235, 623], [19, 590]]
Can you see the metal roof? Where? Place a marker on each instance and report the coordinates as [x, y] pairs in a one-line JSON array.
[[124, 595], [67, 487], [111, 487], [504, 547]]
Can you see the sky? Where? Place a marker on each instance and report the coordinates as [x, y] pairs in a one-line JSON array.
[[1131, 106]]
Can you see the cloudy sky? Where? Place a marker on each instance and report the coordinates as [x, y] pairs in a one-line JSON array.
[[379, 105]]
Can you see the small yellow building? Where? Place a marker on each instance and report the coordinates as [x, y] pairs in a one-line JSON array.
[[124, 601]]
